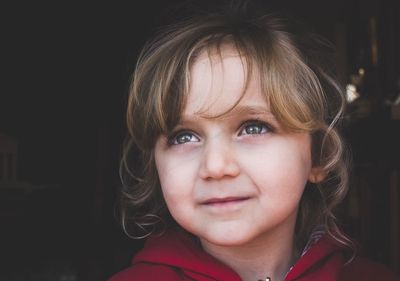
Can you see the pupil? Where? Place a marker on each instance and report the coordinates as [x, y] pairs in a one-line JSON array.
[[183, 138], [253, 129]]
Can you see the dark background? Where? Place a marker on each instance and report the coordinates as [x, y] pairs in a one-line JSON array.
[[65, 73]]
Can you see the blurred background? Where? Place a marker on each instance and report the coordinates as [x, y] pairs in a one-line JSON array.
[[65, 73]]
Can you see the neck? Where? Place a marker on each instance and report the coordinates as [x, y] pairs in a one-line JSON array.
[[264, 257]]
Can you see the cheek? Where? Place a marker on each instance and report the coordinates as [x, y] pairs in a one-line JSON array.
[[176, 176], [281, 169]]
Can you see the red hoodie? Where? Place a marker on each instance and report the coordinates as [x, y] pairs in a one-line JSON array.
[[176, 256]]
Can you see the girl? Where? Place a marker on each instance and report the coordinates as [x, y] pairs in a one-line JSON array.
[[234, 122]]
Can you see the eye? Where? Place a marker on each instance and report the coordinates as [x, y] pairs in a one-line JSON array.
[[182, 137], [254, 128]]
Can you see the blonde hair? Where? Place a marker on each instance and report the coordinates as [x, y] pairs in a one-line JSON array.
[[299, 86]]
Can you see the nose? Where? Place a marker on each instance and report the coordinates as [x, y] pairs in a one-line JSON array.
[[218, 161]]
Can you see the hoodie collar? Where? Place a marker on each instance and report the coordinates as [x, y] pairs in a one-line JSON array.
[[322, 252], [181, 250]]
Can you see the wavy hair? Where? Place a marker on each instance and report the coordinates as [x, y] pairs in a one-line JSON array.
[[297, 79]]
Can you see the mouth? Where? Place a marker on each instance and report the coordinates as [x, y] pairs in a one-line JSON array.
[[224, 201]]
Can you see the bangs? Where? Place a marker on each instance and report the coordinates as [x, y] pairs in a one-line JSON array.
[[162, 78]]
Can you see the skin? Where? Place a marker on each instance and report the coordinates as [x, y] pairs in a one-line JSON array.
[[235, 181]]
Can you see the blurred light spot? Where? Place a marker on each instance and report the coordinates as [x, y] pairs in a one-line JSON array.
[[351, 93]]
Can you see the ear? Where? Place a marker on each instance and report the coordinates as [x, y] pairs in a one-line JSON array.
[[317, 174]]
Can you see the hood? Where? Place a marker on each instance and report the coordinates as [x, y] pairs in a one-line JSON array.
[[180, 250]]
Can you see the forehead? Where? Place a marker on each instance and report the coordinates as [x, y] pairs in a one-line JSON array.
[[220, 79]]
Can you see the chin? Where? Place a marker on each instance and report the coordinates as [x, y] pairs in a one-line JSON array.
[[226, 239]]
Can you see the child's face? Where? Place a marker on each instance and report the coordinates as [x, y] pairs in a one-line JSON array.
[[238, 178]]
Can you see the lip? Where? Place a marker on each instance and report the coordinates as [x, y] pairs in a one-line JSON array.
[[225, 200]]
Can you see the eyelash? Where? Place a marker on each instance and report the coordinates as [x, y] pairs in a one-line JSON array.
[[268, 127], [172, 139]]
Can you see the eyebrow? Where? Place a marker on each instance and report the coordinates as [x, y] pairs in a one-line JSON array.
[[237, 110], [249, 109]]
